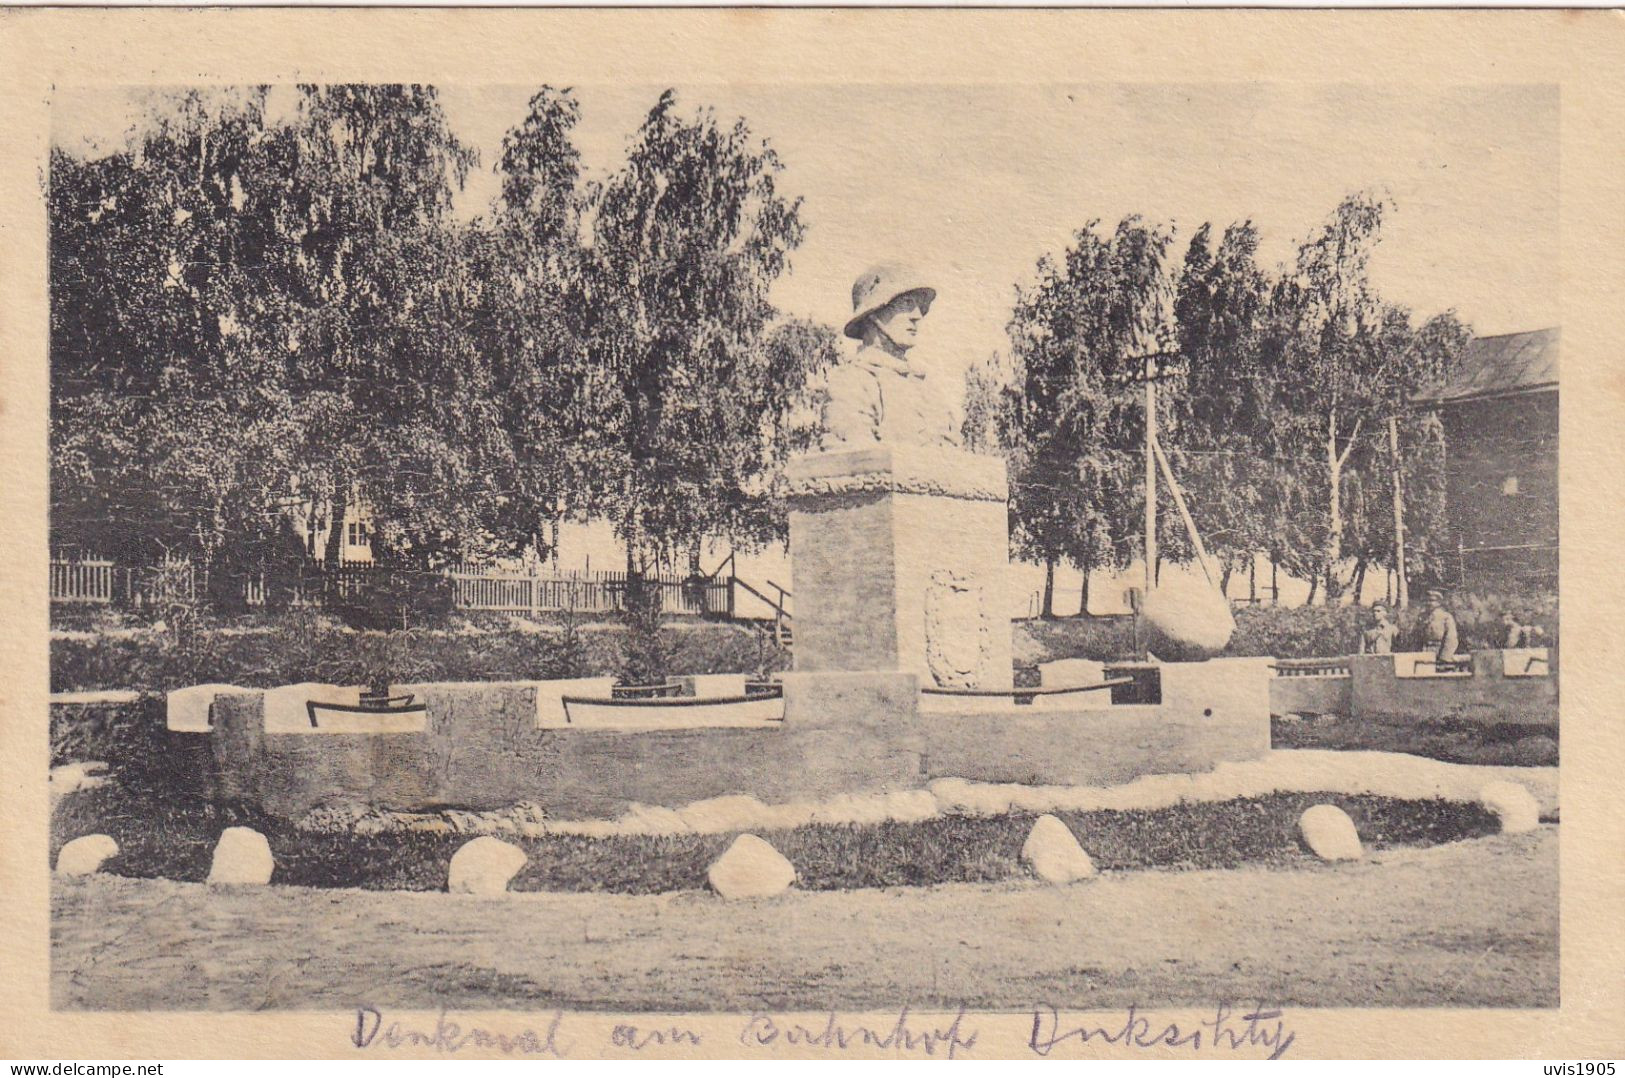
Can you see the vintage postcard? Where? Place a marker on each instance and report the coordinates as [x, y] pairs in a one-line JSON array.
[[811, 534]]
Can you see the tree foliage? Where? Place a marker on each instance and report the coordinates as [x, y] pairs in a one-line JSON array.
[[266, 308], [1074, 427], [1274, 416], [687, 398], [1347, 362]]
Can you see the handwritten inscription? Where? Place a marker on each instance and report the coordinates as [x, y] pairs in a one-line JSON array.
[[624, 1036], [764, 1031], [450, 1037], [1259, 1029]]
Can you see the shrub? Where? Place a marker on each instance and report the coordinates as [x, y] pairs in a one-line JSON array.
[[1039, 640], [398, 599], [646, 655]]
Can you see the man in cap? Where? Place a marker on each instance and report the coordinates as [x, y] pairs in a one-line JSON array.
[[880, 396]]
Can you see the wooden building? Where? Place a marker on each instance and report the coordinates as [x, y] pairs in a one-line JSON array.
[[1499, 412]]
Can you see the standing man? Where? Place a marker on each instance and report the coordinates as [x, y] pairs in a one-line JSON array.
[[882, 395], [1379, 639], [1441, 629]]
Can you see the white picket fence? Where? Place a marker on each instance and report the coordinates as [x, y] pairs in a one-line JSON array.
[[87, 581], [100, 581]]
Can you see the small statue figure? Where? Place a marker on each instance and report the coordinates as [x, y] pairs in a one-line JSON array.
[[880, 396]]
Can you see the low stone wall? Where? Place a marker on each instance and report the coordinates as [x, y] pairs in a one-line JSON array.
[[1311, 694], [1485, 695], [482, 747], [1086, 746], [1514, 686]]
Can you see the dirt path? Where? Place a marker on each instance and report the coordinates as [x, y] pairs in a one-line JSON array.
[[1469, 924]]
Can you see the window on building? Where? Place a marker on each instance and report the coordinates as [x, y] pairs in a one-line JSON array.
[[1509, 486], [358, 533]]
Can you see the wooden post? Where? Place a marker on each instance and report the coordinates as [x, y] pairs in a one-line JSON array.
[[1399, 516], [1185, 515]]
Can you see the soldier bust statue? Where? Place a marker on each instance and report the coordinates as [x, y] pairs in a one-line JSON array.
[[880, 395]]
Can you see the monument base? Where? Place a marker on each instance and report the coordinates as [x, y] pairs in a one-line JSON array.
[[899, 562]]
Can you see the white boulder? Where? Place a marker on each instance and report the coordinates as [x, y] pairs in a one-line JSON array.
[[1515, 806], [484, 866], [85, 855], [72, 778], [751, 868], [1053, 853], [1187, 619], [1329, 834], [242, 856]]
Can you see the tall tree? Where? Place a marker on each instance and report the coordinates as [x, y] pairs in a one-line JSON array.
[[1436, 345], [1222, 434], [529, 312], [686, 241], [1076, 436], [274, 312], [170, 420], [398, 400], [1346, 362]]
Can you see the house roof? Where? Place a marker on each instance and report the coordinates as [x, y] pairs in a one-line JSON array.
[[1503, 365]]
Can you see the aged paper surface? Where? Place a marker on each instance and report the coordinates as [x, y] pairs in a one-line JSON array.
[[747, 984]]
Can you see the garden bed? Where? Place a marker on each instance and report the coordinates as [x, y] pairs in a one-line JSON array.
[[161, 837]]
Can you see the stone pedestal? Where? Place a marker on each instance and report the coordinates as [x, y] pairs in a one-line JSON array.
[[899, 556]]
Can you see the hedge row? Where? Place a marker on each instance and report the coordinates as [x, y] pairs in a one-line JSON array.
[[1297, 632], [302, 647], [299, 648]]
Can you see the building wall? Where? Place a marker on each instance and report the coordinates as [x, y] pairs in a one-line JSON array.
[[1502, 488]]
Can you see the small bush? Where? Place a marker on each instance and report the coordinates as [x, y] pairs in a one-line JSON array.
[[398, 599], [645, 654]]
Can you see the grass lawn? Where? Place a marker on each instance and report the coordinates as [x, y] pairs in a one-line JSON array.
[[1467, 924], [1457, 742]]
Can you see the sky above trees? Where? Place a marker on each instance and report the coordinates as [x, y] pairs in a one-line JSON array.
[[972, 184]]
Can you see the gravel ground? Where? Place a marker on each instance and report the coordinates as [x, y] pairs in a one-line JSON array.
[[1468, 924]]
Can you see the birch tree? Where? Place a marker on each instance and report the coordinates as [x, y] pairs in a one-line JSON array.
[[1346, 362], [684, 393]]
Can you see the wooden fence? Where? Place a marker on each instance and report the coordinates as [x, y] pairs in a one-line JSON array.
[[518, 592], [87, 581], [98, 581]]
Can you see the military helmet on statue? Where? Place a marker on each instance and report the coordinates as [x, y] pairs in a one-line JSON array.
[[878, 286]]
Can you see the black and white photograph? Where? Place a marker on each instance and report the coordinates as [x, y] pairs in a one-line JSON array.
[[1078, 550]]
